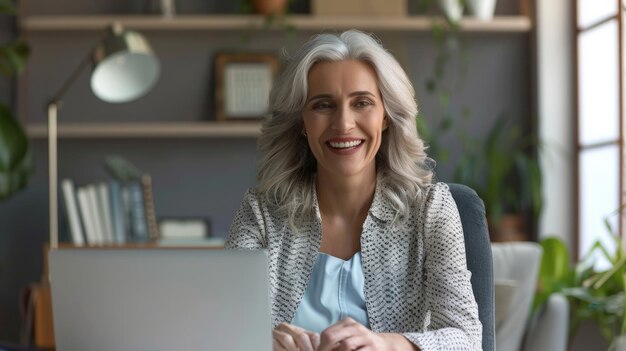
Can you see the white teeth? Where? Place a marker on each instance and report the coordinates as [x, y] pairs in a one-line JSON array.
[[345, 145]]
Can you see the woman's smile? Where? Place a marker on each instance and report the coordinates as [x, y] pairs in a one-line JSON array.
[[345, 146]]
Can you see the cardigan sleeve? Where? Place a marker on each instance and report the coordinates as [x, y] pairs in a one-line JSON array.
[[247, 230], [454, 323]]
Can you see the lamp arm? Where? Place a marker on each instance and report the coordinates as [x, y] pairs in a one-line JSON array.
[[53, 186], [72, 78]]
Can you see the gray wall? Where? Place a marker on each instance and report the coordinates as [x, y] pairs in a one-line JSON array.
[[207, 177]]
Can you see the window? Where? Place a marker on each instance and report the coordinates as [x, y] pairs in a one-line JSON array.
[[599, 120]]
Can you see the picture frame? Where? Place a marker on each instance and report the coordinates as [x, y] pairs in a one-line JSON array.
[[242, 85]]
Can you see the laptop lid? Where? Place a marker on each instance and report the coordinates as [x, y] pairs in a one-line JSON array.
[[160, 299]]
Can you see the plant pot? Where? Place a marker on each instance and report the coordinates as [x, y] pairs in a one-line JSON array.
[[511, 227], [453, 9], [482, 9], [269, 7]]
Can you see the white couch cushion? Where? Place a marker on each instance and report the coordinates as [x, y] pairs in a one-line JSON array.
[[519, 262], [504, 293]]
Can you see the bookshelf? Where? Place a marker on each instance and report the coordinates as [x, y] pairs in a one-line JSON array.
[[103, 130], [500, 24], [227, 23]]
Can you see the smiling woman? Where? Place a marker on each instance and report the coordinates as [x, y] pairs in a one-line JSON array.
[[365, 252]]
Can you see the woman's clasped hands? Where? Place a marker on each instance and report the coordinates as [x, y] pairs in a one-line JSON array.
[[345, 335]]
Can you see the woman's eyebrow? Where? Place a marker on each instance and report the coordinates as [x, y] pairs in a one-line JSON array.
[[319, 96], [327, 96], [363, 92]]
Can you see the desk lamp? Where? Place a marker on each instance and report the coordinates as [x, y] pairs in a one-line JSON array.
[[124, 68]]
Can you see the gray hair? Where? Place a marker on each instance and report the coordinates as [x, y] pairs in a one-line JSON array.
[[287, 167]]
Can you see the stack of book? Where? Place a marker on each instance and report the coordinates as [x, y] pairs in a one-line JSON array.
[[110, 212]]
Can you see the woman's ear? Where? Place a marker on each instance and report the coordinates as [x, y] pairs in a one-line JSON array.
[[385, 123]]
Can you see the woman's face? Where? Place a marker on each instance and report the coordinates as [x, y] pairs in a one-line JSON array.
[[344, 117]]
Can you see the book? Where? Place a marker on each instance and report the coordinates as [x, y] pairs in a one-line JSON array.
[[85, 212], [119, 216], [71, 209], [138, 224], [148, 201], [128, 230], [105, 212], [94, 210]]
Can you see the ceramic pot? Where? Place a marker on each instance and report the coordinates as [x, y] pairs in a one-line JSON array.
[[453, 9], [269, 7], [512, 227], [482, 9]]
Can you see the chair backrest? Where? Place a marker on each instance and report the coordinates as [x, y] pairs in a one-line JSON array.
[[479, 257]]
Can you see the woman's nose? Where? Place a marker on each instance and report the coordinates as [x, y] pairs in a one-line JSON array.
[[343, 121]]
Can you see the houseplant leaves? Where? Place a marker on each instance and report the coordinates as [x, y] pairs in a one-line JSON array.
[[16, 159]]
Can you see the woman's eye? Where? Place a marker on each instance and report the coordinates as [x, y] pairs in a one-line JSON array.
[[363, 103], [322, 106]]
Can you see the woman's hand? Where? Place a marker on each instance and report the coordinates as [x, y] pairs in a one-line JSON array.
[[348, 334], [287, 337]]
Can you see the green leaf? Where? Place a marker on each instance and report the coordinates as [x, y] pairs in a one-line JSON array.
[[13, 57], [424, 5], [438, 33], [13, 142], [554, 262], [122, 169], [16, 159], [605, 276], [8, 7], [431, 85]]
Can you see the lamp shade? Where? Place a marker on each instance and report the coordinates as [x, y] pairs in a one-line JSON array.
[[125, 67]]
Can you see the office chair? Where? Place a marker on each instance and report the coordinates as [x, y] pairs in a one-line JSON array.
[[479, 257]]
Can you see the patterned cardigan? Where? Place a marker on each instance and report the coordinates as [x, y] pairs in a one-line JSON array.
[[416, 278]]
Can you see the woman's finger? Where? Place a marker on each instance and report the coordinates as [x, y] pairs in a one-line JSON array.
[[283, 340], [276, 346], [330, 338], [353, 343], [315, 339], [300, 336]]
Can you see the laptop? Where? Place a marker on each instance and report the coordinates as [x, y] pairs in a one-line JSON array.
[[160, 299]]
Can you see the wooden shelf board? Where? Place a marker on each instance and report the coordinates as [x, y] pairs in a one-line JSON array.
[[500, 24], [241, 129]]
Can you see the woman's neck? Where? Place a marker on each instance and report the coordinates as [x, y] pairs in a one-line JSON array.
[[346, 197]]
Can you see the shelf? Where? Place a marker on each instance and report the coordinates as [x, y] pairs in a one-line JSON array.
[[500, 24], [247, 129]]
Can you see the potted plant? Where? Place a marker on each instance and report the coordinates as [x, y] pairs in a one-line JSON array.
[[506, 175], [594, 294], [16, 161]]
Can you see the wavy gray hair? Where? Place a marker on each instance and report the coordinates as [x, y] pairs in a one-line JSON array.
[[287, 166]]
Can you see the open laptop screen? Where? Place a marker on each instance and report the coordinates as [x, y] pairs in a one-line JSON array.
[[160, 299]]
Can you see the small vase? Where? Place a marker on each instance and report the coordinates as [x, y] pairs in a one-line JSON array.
[[269, 7], [453, 9], [166, 8], [482, 9]]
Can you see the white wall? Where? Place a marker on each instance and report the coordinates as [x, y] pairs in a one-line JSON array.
[[555, 81]]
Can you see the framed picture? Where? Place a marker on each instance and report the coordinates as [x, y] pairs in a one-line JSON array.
[[242, 85]]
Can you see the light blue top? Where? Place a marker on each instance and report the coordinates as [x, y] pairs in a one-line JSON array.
[[335, 291]]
